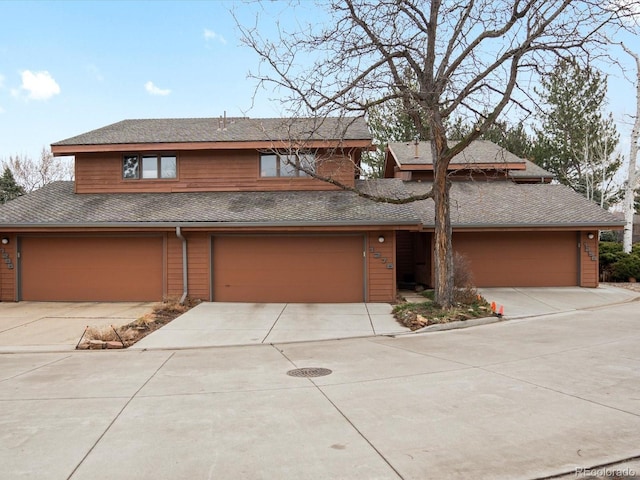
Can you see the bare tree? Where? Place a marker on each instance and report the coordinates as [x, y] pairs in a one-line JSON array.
[[33, 174], [630, 184], [474, 59]]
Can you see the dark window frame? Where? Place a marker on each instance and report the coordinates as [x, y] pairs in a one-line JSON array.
[[138, 170]]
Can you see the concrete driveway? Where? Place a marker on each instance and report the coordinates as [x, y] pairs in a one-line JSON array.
[[42, 326], [33, 326], [528, 398], [218, 324]]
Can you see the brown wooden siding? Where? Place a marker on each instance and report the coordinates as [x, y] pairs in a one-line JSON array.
[[198, 266], [7, 274], [91, 268], [227, 170], [198, 248], [520, 259], [174, 286], [589, 259], [381, 280], [288, 268]]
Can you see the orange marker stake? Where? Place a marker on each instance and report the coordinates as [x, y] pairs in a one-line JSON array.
[[493, 307]]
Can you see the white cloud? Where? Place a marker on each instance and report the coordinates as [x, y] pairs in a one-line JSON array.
[[40, 85], [153, 90], [213, 36]]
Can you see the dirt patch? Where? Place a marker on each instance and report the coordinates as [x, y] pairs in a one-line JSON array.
[[112, 337], [469, 304]]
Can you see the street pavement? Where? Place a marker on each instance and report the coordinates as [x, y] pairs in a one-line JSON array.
[[527, 398]]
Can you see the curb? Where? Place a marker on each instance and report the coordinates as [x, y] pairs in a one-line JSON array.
[[439, 327]]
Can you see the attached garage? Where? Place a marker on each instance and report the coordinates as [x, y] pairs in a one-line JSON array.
[[116, 268], [321, 268], [521, 259]]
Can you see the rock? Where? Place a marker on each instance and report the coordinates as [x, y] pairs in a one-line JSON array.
[[421, 320], [97, 344], [113, 345]]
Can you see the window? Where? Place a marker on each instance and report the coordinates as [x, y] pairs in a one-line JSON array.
[[149, 166], [286, 165]]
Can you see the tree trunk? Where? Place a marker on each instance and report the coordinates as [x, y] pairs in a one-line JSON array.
[[443, 246], [629, 193], [443, 250]]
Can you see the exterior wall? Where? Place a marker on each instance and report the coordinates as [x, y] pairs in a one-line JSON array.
[[173, 254], [198, 252], [198, 266], [521, 259], [224, 170], [462, 175], [8, 280], [589, 262], [381, 280]]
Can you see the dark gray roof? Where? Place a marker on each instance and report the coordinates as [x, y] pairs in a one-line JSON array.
[[478, 151], [57, 205], [473, 205], [187, 130], [531, 171], [506, 204]]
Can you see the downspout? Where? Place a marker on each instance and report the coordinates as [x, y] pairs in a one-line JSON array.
[[185, 285]]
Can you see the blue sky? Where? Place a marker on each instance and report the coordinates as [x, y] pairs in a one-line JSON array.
[[69, 67]]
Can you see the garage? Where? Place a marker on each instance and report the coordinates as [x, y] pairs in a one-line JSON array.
[[117, 268], [521, 259], [288, 268]]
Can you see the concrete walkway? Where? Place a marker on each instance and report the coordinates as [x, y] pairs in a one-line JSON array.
[[522, 399], [219, 324]]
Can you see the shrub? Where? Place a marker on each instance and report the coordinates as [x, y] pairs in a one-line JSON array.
[[617, 266], [628, 266], [462, 274]]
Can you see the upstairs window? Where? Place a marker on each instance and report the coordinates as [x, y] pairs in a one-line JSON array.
[[149, 166], [286, 165]]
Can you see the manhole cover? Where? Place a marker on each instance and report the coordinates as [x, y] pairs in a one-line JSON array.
[[309, 372]]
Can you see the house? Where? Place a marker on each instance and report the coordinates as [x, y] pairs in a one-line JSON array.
[[225, 210], [512, 226]]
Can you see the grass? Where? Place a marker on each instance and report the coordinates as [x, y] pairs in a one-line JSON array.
[[468, 304]]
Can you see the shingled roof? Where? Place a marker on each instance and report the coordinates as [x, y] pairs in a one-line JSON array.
[[506, 204], [243, 129], [478, 152], [473, 205], [57, 205]]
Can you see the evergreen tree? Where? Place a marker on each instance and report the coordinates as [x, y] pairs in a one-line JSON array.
[[515, 139], [576, 141], [9, 189], [393, 121]]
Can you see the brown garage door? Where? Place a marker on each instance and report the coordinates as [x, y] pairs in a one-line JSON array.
[[288, 269], [91, 268], [520, 259]]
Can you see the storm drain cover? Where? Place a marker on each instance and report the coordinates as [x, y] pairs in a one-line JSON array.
[[309, 372]]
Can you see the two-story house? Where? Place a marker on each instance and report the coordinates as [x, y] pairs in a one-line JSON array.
[[216, 209]]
